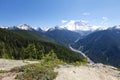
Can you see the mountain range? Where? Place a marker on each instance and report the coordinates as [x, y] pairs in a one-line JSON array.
[[101, 45], [66, 34], [56, 34], [73, 25], [17, 45]]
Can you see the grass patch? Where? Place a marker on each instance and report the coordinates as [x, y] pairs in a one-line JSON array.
[[3, 71]]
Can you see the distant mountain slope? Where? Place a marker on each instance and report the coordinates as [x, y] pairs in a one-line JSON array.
[[17, 46], [102, 46], [62, 36], [33, 35]]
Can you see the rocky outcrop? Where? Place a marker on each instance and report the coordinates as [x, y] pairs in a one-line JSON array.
[[88, 72]]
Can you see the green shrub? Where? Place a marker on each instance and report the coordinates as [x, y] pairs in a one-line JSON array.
[[36, 72], [40, 71], [3, 71]]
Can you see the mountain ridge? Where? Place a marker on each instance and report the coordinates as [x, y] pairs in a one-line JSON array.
[[102, 46]]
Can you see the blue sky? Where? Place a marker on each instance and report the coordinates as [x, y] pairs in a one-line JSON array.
[[51, 12]]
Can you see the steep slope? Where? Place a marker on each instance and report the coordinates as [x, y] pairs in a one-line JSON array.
[[102, 46], [15, 46], [62, 36]]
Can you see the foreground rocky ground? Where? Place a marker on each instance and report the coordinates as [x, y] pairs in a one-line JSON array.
[[6, 65], [66, 72], [88, 72]]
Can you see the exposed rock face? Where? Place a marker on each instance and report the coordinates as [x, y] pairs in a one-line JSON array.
[[88, 72]]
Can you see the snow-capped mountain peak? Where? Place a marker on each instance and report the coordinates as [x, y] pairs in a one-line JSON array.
[[24, 27], [81, 25], [4, 27], [56, 28], [76, 25], [117, 27], [38, 29], [114, 27]]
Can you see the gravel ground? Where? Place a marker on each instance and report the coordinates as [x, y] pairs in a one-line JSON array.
[[66, 72], [88, 72], [6, 64]]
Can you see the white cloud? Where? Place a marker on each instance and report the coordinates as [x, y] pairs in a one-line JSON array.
[[105, 18], [86, 14], [104, 21], [64, 21]]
